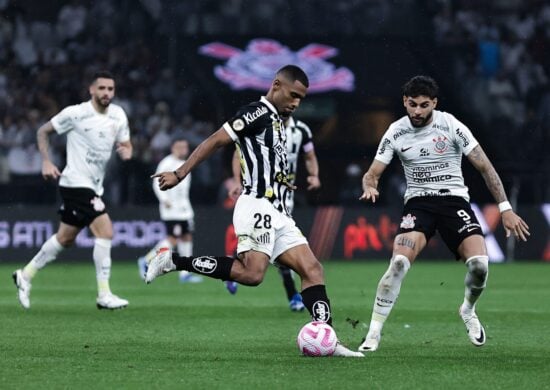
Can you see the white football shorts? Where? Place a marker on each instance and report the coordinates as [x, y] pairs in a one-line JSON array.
[[261, 227]]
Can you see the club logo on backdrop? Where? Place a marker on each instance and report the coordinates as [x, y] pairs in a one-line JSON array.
[[254, 67]]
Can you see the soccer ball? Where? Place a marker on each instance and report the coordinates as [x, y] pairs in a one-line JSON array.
[[317, 338]]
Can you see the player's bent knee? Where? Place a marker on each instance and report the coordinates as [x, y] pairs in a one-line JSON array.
[[478, 265], [251, 278]]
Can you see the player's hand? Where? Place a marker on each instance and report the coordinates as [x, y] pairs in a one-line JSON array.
[[124, 151], [235, 190], [167, 180], [313, 182], [514, 224], [49, 170], [369, 193]]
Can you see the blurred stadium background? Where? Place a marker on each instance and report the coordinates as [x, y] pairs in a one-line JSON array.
[[186, 66]]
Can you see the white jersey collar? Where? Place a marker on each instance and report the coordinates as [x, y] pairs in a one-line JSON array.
[[264, 100]]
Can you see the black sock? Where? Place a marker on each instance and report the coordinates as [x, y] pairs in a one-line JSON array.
[[288, 282], [217, 267], [317, 303]]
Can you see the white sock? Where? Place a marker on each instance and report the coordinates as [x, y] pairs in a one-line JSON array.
[[48, 253], [475, 281], [152, 253], [388, 291], [102, 260], [185, 248]]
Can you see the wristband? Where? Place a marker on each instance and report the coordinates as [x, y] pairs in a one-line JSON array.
[[179, 178], [504, 206]]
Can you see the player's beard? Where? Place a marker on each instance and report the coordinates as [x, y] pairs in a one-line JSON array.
[[100, 101], [423, 123]]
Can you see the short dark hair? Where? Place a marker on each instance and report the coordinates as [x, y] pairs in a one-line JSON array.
[[293, 73], [101, 74], [421, 86]]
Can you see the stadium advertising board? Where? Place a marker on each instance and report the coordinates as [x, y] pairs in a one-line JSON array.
[[345, 234]]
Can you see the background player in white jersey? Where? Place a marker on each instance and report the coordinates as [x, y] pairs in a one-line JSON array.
[[298, 139], [93, 128], [175, 211], [430, 145], [265, 230]]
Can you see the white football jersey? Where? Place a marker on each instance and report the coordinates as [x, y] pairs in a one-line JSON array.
[[180, 206], [298, 139], [90, 140], [431, 155]]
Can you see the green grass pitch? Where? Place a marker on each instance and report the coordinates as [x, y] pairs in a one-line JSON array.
[[198, 336]]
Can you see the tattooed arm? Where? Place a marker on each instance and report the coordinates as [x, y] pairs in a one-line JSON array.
[[511, 221]]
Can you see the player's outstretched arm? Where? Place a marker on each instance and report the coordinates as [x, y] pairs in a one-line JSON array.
[[370, 181], [49, 170], [511, 221], [168, 180]]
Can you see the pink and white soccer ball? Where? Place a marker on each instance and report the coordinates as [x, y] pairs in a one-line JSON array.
[[317, 338]]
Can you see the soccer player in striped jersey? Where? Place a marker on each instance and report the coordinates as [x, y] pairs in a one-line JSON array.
[[266, 231], [299, 139], [430, 145]]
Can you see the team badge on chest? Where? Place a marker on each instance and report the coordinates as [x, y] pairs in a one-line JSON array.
[[441, 145]]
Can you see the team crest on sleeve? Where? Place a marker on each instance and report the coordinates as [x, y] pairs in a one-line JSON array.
[[441, 145], [238, 125], [407, 222]]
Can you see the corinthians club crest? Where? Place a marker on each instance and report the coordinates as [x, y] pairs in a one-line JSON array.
[[254, 67]]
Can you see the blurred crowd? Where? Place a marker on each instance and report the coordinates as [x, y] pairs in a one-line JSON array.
[[496, 49]]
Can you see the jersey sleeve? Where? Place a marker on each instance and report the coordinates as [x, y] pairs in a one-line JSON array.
[[307, 137], [248, 121], [64, 120], [464, 138], [385, 150], [123, 133]]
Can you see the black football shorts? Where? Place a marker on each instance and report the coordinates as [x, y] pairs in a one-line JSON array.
[[451, 216]]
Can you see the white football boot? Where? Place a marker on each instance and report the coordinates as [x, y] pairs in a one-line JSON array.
[[371, 342], [23, 289], [475, 330], [342, 351], [111, 302], [160, 264]]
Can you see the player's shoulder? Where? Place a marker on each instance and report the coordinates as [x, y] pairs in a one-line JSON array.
[[117, 111], [77, 109], [398, 128], [302, 126]]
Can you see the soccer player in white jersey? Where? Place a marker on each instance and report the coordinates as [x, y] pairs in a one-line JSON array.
[[298, 140], [93, 129], [175, 211], [430, 145], [266, 232]]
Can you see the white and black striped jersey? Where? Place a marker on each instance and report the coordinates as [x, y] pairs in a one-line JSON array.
[[431, 155], [258, 132], [298, 139]]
